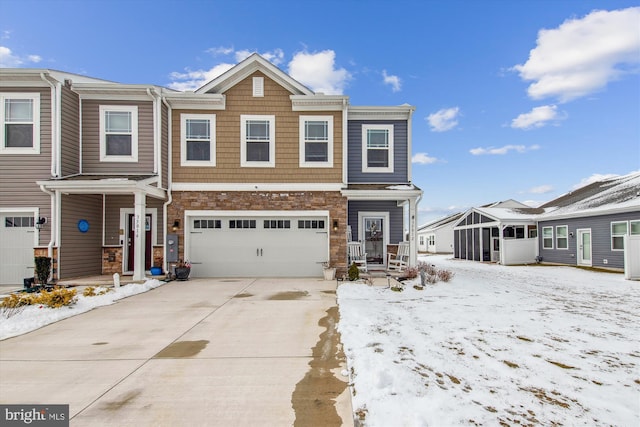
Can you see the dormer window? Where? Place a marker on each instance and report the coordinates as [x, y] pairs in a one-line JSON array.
[[118, 133], [20, 119], [377, 148]]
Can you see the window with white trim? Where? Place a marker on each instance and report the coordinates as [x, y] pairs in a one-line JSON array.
[[118, 133], [634, 227], [316, 141], [197, 139], [618, 231], [258, 141], [377, 148], [562, 237], [20, 120], [547, 237]]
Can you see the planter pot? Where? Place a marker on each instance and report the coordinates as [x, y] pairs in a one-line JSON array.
[[156, 271], [182, 273], [329, 273]]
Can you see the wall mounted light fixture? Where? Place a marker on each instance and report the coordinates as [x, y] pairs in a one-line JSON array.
[[176, 225], [40, 222], [335, 225]]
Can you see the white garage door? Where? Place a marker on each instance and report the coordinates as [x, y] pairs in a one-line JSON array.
[[16, 247], [270, 246]]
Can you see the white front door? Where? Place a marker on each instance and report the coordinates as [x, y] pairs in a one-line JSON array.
[[374, 232], [584, 247]]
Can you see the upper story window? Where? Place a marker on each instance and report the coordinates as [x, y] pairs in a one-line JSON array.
[[258, 141], [20, 119], [547, 237], [316, 141], [377, 148], [197, 139], [118, 133], [562, 237]]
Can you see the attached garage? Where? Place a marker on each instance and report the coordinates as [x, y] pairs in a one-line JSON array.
[[257, 244], [17, 240]]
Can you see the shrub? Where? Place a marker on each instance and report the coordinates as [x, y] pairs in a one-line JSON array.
[[55, 298], [411, 272], [43, 268], [445, 275], [92, 291], [354, 272]]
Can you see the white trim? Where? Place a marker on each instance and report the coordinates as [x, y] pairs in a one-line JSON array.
[[258, 87], [385, 229], [212, 141], [124, 225], [579, 258], [542, 236], [272, 141], [626, 233], [36, 214], [365, 149], [133, 109], [258, 186], [302, 133], [35, 148], [566, 237]]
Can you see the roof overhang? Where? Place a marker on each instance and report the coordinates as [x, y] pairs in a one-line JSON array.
[[193, 101], [400, 112], [608, 210], [389, 192], [319, 102], [105, 186]]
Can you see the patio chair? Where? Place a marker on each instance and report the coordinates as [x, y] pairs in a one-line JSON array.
[[398, 262], [357, 255]]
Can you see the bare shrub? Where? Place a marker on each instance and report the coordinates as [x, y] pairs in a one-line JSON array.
[[445, 275]]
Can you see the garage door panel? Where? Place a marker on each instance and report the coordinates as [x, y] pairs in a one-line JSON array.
[[17, 235]]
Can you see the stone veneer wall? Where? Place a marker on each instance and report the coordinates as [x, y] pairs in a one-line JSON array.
[[334, 202], [112, 259]]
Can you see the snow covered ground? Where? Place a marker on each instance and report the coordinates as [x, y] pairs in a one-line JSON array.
[[532, 345], [35, 316]]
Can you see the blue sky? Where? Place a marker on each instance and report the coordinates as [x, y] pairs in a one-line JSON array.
[[514, 99]]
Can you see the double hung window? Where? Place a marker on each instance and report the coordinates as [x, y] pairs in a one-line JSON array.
[[257, 141], [377, 148], [547, 237], [198, 140], [316, 141], [118, 133], [20, 119], [562, 237]]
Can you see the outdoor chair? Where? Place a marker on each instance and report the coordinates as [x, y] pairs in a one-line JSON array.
[[398, 262], [357, 255]]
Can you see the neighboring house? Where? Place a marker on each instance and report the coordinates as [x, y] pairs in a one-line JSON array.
[[253, 174], [588, 226], [437, 236], [503, 232]]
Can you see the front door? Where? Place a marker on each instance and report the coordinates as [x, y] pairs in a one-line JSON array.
[[131, 241], [374, 244], [584, 247]]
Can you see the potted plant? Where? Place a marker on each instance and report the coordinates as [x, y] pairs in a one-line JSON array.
[[43, 269], [156, 270], [182, 270], [329, 272]]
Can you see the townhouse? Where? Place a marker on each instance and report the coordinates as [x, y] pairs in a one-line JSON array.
[[253, 174]]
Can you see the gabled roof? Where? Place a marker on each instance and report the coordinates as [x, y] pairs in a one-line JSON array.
[[440, 222], [254, 63], [620, 194]]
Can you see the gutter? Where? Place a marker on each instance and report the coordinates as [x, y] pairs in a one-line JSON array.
[[56, 100]]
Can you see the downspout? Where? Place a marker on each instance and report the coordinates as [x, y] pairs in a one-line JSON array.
[[54, 228], [55, 124], [156, 133], [169, 180], [345, 128]]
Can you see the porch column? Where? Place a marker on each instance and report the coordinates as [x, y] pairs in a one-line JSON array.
[[139, 236], [413, 227]]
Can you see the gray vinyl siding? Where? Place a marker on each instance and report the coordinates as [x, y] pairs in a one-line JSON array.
[[19, 173], [91, 140], [600, 240], [113, 205], [400, 153], [70, 133], [81, 253], [396, 217]]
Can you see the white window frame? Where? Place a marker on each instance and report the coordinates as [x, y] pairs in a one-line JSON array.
[[365, 151], [547, 237], [272, 141], [633, 221], [303, 145], [565, 237], [183, 140], [133, 109], [35, 147], [626, 233]]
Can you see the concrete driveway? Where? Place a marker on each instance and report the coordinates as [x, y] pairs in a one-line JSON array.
[[206, 352]]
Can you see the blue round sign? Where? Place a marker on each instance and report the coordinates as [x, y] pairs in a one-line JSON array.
[[83, 225]]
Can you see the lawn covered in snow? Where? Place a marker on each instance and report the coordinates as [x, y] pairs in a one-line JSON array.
[[526, 345], [33, 317]]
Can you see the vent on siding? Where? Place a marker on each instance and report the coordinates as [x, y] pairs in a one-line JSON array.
[[258, 86]]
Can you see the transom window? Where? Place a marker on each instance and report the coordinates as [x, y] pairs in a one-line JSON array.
[[242, 223], [316, 141], [277, 223], [562, 237], [547, 237], [118, 133], [20, 120], [311, 224], [377, 148], [198, 140], [258, 141], [207, 223]]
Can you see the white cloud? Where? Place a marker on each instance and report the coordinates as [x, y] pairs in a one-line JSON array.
[[583, 55], [536, 118], [503, 150], [423, 159], [393, 81], [193, 79], [318, 72], [275, 57], [444, 120], [9, 59], [220, 50], [541, 189]]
